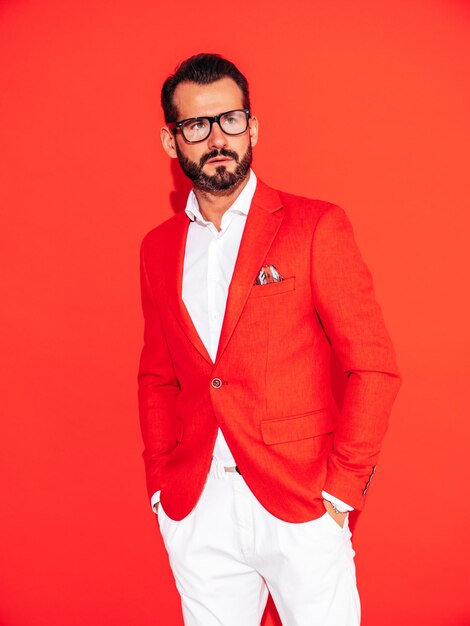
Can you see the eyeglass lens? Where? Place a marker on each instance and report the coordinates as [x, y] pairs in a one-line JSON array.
[[232, 123]]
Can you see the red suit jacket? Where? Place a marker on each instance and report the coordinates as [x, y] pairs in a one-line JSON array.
[[269, 389]]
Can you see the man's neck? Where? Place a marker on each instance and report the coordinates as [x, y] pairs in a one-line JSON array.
[[213, 206]]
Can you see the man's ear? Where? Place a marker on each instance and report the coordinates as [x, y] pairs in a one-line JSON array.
[[254, 128], [168, 142]]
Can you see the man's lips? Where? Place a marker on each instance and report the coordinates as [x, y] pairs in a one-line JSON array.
[[219, 160]]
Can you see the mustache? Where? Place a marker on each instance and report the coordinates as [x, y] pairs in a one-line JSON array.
[[215, 153]]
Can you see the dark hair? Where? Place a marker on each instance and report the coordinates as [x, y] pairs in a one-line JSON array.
[[202, 69]]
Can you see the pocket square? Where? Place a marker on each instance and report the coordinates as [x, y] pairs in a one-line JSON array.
[[268, 274]]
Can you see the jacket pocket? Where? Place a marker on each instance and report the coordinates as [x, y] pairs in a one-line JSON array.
[[271, 289], [297, 427]]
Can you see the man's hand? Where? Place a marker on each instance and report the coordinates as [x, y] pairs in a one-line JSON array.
[[338, 517]]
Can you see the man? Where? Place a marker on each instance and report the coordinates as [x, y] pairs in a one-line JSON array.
[[250, 465]]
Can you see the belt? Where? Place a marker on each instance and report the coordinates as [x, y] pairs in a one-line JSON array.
[[232, 469]]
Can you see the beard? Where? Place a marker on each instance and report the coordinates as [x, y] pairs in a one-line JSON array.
[[222, 182]]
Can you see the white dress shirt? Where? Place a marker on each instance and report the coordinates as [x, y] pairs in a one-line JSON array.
[[209, 262]]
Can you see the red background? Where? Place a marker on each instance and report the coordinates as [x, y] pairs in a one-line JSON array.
[[361, 103]]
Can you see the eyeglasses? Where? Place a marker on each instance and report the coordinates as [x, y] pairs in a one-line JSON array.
[[196, 129]]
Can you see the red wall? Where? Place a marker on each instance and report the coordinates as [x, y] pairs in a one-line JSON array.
[[361, 103]]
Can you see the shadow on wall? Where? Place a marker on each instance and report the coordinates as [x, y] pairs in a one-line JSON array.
[[182, 186]]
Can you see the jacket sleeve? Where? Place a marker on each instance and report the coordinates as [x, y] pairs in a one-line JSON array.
[[158, 388], [345, 303]]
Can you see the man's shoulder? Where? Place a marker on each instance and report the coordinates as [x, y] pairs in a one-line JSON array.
[[302, 206], [165, 230], [314, 205]]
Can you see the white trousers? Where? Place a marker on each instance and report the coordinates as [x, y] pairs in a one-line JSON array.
[[229, 552]]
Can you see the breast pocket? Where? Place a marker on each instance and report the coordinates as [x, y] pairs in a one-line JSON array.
[[272, 289]]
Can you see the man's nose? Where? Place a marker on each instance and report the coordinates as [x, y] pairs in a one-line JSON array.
[[217, 138]]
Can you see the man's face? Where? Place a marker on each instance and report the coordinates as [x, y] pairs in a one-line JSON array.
[[221, 162]]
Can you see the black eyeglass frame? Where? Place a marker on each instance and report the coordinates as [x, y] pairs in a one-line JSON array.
[[175, 126]]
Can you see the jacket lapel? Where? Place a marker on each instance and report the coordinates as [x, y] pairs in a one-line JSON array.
[[262, 225], [176, 244]]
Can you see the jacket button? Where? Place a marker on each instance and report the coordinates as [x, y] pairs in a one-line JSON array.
[[216, 383]]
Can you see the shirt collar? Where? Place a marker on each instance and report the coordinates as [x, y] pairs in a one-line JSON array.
[[241, 205]]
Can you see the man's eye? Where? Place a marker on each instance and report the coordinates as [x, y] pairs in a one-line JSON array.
[[198, 125]]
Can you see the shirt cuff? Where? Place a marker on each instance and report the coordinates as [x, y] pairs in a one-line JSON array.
[[341, 506], [155, 500]]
